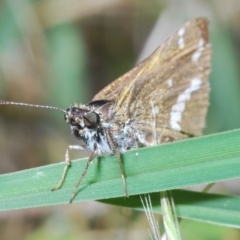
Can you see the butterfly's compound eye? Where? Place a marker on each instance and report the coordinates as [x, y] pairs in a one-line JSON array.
[[91, 120]]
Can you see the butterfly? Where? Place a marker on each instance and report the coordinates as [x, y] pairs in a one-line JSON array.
[[163, 99]]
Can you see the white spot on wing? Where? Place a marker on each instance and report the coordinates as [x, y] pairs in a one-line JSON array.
[[175, 119], [178, 108], [181, 32], [196, 55], [181, 42], [201, 43], [170, 82]]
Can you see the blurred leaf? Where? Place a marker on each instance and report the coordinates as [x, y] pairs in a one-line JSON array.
[[224, 112], [9, 35], [67, 79], [8, 28]]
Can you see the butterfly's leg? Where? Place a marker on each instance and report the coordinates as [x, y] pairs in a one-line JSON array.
[[91, 157], [67, 164], [122, 172], [118, 155]]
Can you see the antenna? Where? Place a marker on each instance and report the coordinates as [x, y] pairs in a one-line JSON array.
[[2, 102]]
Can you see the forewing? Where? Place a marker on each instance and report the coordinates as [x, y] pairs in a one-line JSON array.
[[175, 94], [169, 90]]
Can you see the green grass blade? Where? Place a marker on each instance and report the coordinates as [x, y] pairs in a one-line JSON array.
[[170, 166]]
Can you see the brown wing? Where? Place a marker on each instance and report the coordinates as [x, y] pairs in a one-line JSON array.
[[170, 86], [177, 89]]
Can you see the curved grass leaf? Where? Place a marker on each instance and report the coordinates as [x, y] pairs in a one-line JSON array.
[[170, 166], [205, 207]]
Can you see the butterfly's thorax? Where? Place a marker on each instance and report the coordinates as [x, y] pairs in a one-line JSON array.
[[96, 125]]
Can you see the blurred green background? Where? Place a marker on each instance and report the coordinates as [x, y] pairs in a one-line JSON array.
[[58, 52]]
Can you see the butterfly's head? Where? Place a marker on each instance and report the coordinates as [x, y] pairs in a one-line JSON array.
[[81, 117]]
